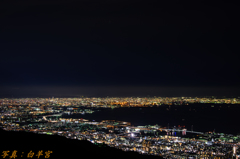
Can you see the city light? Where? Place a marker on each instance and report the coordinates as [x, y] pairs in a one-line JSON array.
[[53, 118]]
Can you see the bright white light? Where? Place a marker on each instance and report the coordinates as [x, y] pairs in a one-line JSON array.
[[132, 134]]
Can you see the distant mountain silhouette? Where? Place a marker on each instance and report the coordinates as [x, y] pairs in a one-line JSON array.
[[61, 147]]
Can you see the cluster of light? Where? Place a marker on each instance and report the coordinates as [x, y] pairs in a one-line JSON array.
[[234, 149]]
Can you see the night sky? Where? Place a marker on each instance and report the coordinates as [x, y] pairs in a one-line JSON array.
[[118, 48]]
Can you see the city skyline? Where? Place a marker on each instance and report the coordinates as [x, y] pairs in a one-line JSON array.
[[158, 78], [71, 118]]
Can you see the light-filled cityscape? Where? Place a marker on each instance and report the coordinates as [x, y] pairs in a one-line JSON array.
[[45, 116], [116, 79]]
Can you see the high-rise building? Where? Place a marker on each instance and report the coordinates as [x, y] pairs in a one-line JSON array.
[[234, 150]]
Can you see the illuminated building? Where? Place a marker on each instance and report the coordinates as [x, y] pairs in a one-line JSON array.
[[234, 150], [184, 131]]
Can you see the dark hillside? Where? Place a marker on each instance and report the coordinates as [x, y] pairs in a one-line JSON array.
[[61, 147]]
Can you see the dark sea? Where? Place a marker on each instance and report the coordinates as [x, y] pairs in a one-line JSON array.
[[223, 118]]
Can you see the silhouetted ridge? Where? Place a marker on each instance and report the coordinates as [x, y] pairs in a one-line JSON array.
[[60, 146]]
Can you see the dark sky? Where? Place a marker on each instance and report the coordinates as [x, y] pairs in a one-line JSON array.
[[119, 47]]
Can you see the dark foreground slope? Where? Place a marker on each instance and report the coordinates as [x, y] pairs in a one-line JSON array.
[[61, 147]]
